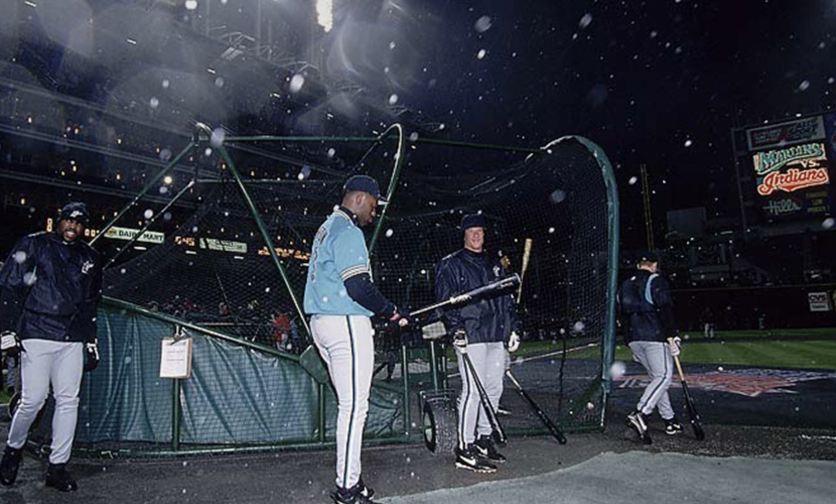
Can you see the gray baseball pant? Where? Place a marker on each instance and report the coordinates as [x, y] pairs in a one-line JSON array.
[[489, 361], [44, 362], [656, 358]]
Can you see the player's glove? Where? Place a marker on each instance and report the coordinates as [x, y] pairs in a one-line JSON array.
[[513, 342], [460, 340], [676, 345], [92, 350], [10, 343]]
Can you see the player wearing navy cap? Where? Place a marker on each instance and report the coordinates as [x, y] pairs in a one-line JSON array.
[[340, 296], [646, 308], [482, 329], [51, 285]]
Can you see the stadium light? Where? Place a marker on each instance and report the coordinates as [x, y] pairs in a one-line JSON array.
[[325, 14], [168, 180]]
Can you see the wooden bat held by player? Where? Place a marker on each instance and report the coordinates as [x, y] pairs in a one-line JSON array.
[[553, 429], [526, 255], [500, 285], [696, 424]]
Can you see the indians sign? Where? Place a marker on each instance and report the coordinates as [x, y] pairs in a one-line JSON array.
[[793, 180]]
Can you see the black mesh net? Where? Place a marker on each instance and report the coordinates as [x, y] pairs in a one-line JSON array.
[[215, 272]]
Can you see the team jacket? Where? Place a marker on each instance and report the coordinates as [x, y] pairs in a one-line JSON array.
[[484, 320], [646, 308], [50, 289]]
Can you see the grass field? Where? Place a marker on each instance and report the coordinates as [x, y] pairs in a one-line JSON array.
[[816, 354], [777, 348]]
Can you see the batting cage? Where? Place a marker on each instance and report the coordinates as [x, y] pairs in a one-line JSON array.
[[229, 282]]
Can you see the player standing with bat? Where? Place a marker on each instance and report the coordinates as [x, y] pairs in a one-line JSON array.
[[646, 307], [480, 329]]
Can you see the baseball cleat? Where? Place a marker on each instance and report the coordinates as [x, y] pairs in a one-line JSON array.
[[636, 421], [485, 448], [58, 477], [672, 426], [10, 465], [469, 459]]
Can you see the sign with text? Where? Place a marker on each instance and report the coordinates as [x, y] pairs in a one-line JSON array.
[[235, 247], [793, 181], [786, 133], [127, 234], [819, 301]]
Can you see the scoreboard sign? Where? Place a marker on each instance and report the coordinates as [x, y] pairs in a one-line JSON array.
[[790, 163]]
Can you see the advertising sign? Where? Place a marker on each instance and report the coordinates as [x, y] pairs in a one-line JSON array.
[[120, 233], [785, 134], [793, 181], [819, 301]]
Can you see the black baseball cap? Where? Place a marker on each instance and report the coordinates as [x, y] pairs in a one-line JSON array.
[[367, 185], [647, 256], [473, 220], [76, 211]]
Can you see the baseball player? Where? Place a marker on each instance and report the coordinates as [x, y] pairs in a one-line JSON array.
[[51, 285], [482, 329], [646, 308], [340, 296]]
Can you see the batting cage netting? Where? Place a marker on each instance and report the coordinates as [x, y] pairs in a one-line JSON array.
[[213, 279]]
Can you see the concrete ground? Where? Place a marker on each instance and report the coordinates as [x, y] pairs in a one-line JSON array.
[[789, 458], [734, 464]]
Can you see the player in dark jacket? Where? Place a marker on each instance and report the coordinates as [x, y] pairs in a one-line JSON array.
[[646, 310], [482, 328], [51, 286]]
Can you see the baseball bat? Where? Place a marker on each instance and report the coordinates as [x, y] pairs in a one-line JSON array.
[[498, 433], [696, 423], [526, 255], [555, 431], [499, 285]]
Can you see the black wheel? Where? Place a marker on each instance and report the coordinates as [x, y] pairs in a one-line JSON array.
[[438, 420]]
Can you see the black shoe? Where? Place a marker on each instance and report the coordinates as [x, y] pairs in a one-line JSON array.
[[59, 478], [367, 492], [10, 465], [486, 449], [637, 421], [672, 426], [358, 494], [469, 459]]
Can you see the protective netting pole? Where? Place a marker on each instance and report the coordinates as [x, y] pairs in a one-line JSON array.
[[153, 182], [265, 235], [393, 182], [613, 232]]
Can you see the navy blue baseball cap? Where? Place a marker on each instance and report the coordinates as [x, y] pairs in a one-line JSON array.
[[76, 211], [647, 256], [473, 220], [367, 185]]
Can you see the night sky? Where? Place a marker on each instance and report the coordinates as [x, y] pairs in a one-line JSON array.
[[659, 83]]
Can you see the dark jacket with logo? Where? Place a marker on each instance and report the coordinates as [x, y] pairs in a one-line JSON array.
[[50, 289], [646, 307], [485, 320]]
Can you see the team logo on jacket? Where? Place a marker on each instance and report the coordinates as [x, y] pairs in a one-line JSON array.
[[496, 271], [86, 267]]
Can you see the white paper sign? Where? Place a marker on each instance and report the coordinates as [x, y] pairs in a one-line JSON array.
[[176, 358]]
